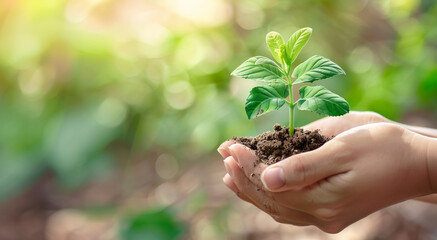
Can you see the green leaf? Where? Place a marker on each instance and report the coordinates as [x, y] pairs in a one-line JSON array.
[[262, 100], [260, 69], [316, 68], [296, 42], [322, 101], [277, 47]]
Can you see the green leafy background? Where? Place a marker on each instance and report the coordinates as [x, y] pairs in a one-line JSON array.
[[111, 108]]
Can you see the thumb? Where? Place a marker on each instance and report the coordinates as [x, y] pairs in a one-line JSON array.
[[302, 170]]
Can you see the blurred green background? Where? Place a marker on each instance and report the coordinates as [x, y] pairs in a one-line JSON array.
[[111, 111]]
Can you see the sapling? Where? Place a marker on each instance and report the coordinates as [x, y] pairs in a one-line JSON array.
[[279, 83]]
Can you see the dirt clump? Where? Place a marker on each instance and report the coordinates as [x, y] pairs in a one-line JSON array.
[[272, 147]]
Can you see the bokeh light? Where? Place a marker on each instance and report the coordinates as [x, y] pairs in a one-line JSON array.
[[110, 110]]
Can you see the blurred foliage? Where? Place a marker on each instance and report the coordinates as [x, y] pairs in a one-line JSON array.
[[152, 224], [81, 81]]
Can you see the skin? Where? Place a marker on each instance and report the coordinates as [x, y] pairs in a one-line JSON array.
[[372, 163]]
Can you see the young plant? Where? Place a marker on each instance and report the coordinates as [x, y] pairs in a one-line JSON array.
[[279, 83]]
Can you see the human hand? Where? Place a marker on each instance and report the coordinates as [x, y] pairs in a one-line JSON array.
[[331, 126], [356, 173]]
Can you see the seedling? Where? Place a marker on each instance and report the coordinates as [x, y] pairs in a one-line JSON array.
[[279, 84]]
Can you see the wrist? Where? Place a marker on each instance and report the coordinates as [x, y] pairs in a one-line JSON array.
[[419, 176], [431, 162]]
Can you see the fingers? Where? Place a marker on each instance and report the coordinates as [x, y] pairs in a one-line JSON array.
[[227, 180], [247, 159], [303, 170], [241, 181], [223, 149], [261, 199], [319, 216]]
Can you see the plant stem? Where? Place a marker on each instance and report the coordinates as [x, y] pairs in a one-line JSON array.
[[291, 113]]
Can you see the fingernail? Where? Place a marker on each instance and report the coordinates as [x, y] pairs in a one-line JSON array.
[[226, 178], [223, 152], [226, 162], [273, 178], [234, 152]]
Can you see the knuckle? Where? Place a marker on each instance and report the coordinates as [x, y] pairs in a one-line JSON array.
[[374, 117], [298, 166], [241, 195], [278, 218], [333, 227], [326, 214], [390, 129], [340, 152], [298, 169]]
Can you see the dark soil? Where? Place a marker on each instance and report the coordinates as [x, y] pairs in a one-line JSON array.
[[272, 147]]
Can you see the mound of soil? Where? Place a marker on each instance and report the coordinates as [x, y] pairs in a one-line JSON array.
[[272, 147]]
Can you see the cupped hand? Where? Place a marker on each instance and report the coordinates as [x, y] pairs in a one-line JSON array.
[[331, 126], [356, 173]]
